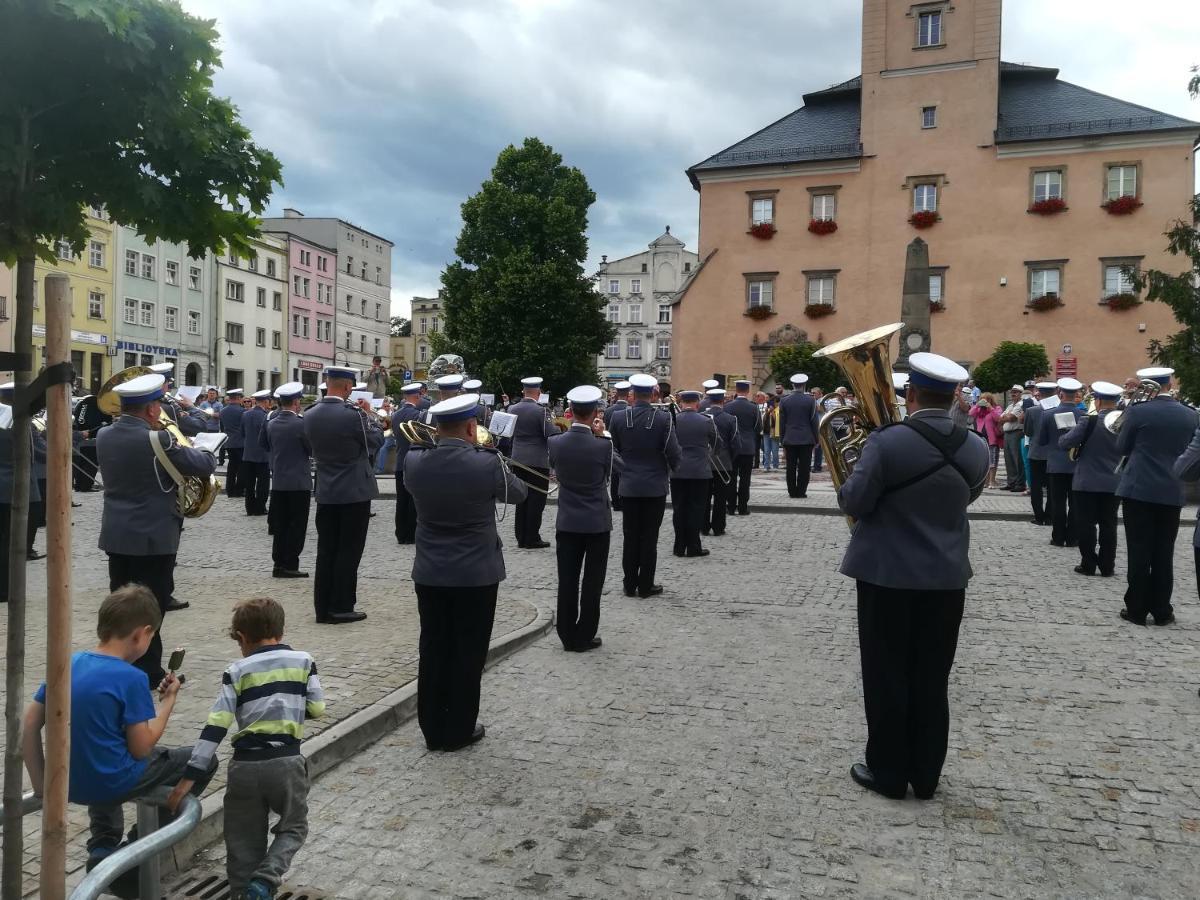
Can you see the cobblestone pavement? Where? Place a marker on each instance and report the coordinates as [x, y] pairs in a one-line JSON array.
[[224, 557], [704, 750]]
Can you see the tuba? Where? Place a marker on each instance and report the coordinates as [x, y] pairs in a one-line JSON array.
[[1147, 390], [423, 436], [866, 361], [196, 494]]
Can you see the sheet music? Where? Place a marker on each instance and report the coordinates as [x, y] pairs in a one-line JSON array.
[[503, 424], [487, 399], [1064, 420], [1049, 402], [355, 396], [208, 440], [191, 391]]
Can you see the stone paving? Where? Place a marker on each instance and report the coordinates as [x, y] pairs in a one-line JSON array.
[[224, 557], [704, 750]]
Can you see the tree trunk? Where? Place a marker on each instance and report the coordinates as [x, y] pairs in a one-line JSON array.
[[14, 686]]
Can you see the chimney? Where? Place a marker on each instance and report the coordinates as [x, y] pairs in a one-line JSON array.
[[290, 213]]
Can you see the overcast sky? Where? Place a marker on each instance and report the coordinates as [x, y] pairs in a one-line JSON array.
[[390, 113]]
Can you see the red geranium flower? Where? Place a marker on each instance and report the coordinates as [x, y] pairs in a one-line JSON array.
[[924, 219]]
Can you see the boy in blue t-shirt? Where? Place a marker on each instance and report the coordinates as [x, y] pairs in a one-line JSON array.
[[114, 726]]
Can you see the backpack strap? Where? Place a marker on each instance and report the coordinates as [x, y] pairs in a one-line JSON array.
[[946, 444], [1091, 426]]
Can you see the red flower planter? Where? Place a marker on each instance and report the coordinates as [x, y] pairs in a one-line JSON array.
[[924, 219], [760, 312], [1121, 206], [1046, 302], [936, 306], [1048, 207], [1122, 301], [764, 231], [819, 310], [822, 226]]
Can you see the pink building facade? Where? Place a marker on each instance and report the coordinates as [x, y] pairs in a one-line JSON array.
[[312, 269]]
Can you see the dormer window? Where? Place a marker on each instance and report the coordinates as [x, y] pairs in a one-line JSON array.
[[929, 28]]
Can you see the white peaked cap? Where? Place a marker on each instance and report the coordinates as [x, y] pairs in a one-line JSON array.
[[532, 381], [935, 372], [1156, 373], [290, 390], [798, 379], [585, 393], [1106, 389], [710, 384], [472, 384], [1070, 384], [261, 395], [641, 381], [622, 385], [449, 381], [456, 408]]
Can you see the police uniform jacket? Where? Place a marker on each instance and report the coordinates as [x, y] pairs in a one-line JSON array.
[[456, 487], [749, 424], [1057, 461], [425, 403], [39, 454], [253, 423], [530, 433], [1187, 468], [913, 537], [798, 419], [342, 439], [231, 425], [583, 464], [727, 427], [141, 510], [1154, 435], [6, 468], [1033, 431], [697, 437], [288, 451], [611, 411], [1096, 468], [190, 422], [405, 413], [645, 438]]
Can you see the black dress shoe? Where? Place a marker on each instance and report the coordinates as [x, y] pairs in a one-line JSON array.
[[865, 777], [288, 573], [1082, 571], [1169, 620], [1128, 617], [475, 738], [346, 618], [75, 505], [743, 512], [324, 620], [404, 543], [584, 648], [1072, 543], [678, 552], [34, 555], [655, 590], [706, 531], [174, 605], [537, 545], [1104, 574], [718, 534], [802, 496], [1054, 543], [697, 553]]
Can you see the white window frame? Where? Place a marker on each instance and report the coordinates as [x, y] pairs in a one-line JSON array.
[[613, 350], [762, 211], [277, 300], [635, 314], [129, 311], [62, 249], [614, 286], [614, 313], [96, 254], [304, 327], [633, 348], [1039, 282], [95, 304], [664, 314], [260, 298], [929, 28], [146, 313], [1047, 185], [937, 287], [635, 285], [925, 197], [147, 267], [760, 293], [821, 290], [194, 278], [270, 268], [260, 337], [171, 272], [1116, 281], [131, 262], [1126, 181], [193, 321], [663, 347], [171, 318], [824, 207], [276, 340], [235, 291], [422, 353], [928, 117]]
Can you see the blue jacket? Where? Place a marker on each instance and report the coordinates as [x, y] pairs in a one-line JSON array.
[[289, 452], [798, 419], [1153, 436], [727, 436], [533, 428], [697, 437], [749, 424], [1057, 461], [645, 438], [1096, 468], [231, 424], [343, 439], [583, 464], [407, 412], [253, 425]]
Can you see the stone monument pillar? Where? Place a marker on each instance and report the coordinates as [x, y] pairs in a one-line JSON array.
[[915, 336]]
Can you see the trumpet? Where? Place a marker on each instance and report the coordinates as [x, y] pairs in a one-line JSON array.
[[423, 436]]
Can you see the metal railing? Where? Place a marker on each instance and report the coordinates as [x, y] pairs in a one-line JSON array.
[[822, 151], [1082, 126]]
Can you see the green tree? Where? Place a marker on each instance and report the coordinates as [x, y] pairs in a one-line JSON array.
[[107, 103], [517, 300], [401, 327], [786, 361], [1012, 362]]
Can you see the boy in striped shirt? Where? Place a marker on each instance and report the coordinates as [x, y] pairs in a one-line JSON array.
[[267, 695]]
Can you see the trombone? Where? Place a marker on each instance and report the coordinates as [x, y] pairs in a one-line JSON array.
[[423, 436]]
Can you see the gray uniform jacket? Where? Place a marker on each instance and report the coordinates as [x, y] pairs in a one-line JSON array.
[[1187, 468], [583, 464], [406, 413], [231, 424], [749, 424], [915, 537], [798, 419], [697, 437], [39, 454], [192, 422], [6, 468], [611, 411], [727, 429], [1033, 431], [1057, 461], [289, 452], [645, 438], [342, 439], [534, 427], [1154, 435], [141, 510], [254, 424], [1096, 468], [455, 487]]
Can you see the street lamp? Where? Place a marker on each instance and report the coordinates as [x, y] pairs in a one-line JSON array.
[[217, 368]]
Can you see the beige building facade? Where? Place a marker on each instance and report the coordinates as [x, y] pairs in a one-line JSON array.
[[1035, 195]]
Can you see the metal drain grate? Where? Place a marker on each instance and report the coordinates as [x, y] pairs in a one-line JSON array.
[[215, 887]]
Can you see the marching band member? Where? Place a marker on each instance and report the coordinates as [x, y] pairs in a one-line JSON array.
[[583, 459], [530, 434], [1187, 468], [1038, 453], [290, 460], [749, 422], [645, 438], [457, 569], [1060, 468], [256, 465], [909, 553], [87, 421], [798, 418], [343, 438], [406, 510], [708, 385], [483, 415], [1153, 435], [7, 392], [231, 425], [690, 476], [1094, 484], [141, 521], [36, 517], [722, 463], [620, 402]]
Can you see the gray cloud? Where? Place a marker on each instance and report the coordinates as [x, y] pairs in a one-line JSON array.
[[390, 113]]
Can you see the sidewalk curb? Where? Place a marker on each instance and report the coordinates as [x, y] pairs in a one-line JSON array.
[[348, 737]]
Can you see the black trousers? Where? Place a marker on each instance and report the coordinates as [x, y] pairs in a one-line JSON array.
[[527, 523], [907, 640], [456, 627], [158, 574], [688, 499], [37, 514], [639, 555], [738, 495], [255, 485], [1037, 489], [579, 606], [341, 537], [1150, 532], [83, 473], [406, 512], [233, 472], [1062, 509], [799, 468], [289, 526], [757, 451], [614, 488], [714, 512], [1096, 515]]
